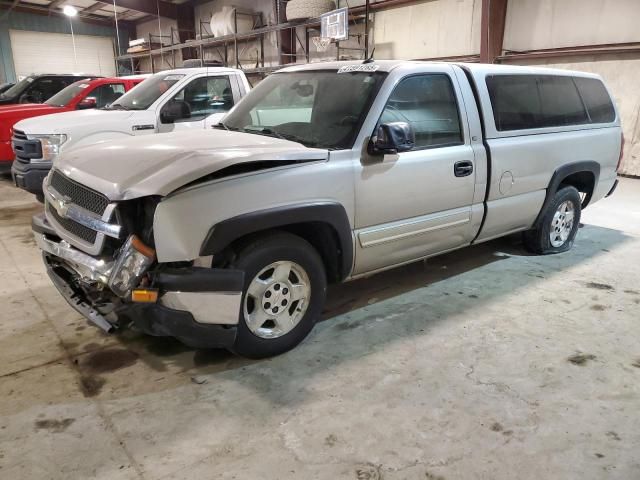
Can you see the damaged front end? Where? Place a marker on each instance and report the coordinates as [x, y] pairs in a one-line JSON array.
[[100, 257]]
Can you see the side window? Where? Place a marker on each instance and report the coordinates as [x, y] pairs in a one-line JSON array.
[[107, 94], [537, 101], [428, 103], [203, 97], [561, 103], [596, 99], [515, 101], [42, 89]]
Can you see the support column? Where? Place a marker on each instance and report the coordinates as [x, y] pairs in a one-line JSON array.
[[494, 13], [6, 56], [186, 25]]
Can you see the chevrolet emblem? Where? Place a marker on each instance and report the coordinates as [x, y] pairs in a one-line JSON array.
[[62, 206]]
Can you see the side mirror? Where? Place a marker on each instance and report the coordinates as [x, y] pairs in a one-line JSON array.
[[88, 102], [394, 137], [174, 111]]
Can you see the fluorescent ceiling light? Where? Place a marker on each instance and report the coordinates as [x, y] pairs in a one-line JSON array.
[[70, 11]]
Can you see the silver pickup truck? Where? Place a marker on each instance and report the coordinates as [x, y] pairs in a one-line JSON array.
[[323, 173]]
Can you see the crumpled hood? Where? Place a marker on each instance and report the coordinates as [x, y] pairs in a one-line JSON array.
[[67, 122], [159, 164]]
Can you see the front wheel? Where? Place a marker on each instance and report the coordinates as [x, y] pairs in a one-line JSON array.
[[284, 292], [559, 225]]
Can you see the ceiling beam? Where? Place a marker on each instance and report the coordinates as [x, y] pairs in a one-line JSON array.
[[93, 8], [44, 10], [144, 19], [150, 7], [126, 13], [54, 4]]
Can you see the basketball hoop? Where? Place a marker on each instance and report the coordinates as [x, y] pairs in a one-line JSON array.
[[321, 43]]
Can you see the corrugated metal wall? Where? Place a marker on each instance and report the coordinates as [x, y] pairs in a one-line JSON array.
[[42, 23]]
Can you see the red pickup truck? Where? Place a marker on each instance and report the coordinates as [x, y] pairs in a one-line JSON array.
[[88, 93]]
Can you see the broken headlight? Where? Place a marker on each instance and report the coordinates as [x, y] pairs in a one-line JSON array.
[[134, 260]]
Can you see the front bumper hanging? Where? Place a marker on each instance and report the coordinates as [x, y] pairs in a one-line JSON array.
[[199, 306]]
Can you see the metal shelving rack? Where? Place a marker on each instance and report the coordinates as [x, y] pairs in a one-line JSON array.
[[235, 40]]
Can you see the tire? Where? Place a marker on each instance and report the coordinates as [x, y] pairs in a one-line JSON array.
[[555, 219], [261, 331], [303, 9]]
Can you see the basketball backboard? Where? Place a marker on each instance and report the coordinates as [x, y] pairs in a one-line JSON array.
[[335, 24]]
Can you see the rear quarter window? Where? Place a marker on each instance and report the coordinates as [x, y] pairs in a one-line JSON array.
[[597, 100], [515, 101], [560, 101], [521, 102]]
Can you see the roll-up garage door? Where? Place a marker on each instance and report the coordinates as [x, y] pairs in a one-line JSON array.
[[40, 52]]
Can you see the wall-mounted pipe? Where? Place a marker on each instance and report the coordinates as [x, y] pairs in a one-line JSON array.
[[579, 50]]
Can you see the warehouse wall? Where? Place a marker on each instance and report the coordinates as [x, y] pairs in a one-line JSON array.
[[164, 28], [429, 29], [620, 72], [425, 29], [42, 23], [248, 51], [532, 25], [538, 24]]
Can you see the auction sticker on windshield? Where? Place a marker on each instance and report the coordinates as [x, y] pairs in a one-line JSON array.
[[365, 67]]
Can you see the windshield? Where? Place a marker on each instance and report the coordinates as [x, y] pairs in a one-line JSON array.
[[18, 88], [147, 92], [64, 96], [322, 109]]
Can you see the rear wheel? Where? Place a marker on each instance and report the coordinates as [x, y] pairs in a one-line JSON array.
[[559, 225], [284, 292]]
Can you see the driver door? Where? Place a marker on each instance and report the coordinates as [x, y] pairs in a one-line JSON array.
[[201, 103], [417, 203]]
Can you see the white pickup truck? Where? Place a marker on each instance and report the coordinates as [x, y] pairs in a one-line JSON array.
[[172, 100], [323, 173]]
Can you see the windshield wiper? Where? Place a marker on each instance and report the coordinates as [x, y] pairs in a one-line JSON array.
[[116, 106], [222, 126], [294, 138], [283, 136], [265, 131]]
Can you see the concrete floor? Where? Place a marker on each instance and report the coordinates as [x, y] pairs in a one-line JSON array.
[[464, 367]]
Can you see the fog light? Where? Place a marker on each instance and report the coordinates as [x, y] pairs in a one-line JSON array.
[[144, 295], [134, 260]]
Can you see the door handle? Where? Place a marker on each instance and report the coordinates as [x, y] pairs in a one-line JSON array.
[[463, 168]]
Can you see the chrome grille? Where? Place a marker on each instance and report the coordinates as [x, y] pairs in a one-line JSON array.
[[74, 228], [79, 194], [79, 214]]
